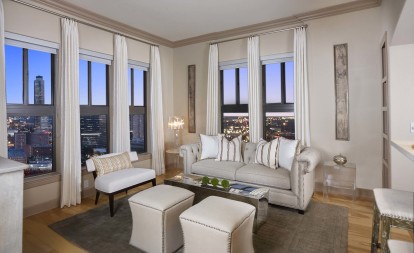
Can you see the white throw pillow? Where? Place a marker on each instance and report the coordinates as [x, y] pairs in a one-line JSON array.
[[267, 153], [209, 146], [287, 152], [229, 150]]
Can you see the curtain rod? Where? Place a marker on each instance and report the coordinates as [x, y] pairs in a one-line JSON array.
[[263, 33], [81, 22]]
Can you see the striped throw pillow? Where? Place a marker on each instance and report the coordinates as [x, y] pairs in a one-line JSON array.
[[229, 150], [267, 153], [105, 165]]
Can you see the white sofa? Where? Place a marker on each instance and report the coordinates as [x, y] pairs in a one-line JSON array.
[[291, 188]]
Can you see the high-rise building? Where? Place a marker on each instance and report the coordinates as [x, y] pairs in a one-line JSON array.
[[39, 90], [20, 140]]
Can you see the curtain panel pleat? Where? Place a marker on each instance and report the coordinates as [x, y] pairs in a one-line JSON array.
[[68, 115], [3, 112], [255, 89], [213, 97], [302, 117], [157, 121], [119, 108]]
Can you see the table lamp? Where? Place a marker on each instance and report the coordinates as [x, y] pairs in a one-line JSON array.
[[176, 123]]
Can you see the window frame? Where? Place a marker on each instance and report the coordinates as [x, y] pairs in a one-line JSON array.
[[283, 106], [136, 109], [90, 109], [237, 107], [25, 108]]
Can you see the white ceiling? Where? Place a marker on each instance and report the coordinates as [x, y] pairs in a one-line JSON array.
[[176, 20]]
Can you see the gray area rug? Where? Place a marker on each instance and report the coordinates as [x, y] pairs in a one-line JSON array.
[[323, 228]]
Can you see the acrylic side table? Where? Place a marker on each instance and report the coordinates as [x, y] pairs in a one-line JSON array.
[[339, 176], [176, 153]]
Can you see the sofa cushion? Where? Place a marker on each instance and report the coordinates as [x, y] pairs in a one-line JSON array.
[[258, 174], [122, 179], [287, 152], [267, 153], [229, 150], [212, 168], [105, 165], [209, 146], [249, 151]]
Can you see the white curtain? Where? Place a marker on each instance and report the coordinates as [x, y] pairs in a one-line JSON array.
[[67, 115], [213, 111], [255, 89], [302, 123], [157, 121], [118, 104], [3, 113]]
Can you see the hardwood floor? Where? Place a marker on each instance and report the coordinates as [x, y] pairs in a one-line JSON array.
[[39, 238]]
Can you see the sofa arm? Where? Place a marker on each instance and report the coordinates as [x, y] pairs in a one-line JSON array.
[[189, 153], [311, 157]]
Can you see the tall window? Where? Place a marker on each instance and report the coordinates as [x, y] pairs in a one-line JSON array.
[[234, 102], [30, 78], [94, 110], [278, 97], [137, 108]]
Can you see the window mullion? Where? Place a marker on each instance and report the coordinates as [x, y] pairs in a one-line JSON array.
[[283, 82], [145, 89], [237, 73], [107, 86], [132, 87], [25, 76], [53, 75], [89, 83]]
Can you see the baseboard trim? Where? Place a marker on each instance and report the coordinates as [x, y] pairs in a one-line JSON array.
[[88, 192], [361, 193], [32, 210]]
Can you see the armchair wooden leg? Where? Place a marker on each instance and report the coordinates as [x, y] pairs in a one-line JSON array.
[[154, 182], [301, 212], [97, 197], [111, 204]]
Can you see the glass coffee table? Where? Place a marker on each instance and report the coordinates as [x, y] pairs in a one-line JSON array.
[[193, 183]]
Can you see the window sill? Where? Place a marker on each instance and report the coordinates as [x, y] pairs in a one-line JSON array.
[[32, 182], [143, 157]]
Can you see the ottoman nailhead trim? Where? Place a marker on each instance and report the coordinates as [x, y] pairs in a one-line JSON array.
[[163, 215], [163, 220], [228, 234], [202, 224]]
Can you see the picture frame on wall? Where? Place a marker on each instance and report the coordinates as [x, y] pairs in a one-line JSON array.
[[341, 92], [191, 98]]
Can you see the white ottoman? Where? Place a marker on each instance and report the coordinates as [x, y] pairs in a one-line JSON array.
[[155, 223], [400, 246], [218, 225]]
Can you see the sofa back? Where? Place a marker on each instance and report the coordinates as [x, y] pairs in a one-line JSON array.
[[248, 152]]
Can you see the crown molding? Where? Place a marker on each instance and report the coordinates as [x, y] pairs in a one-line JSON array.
[[283, 22], [71, 10]]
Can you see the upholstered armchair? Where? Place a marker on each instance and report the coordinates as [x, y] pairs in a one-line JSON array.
[[112, 176]]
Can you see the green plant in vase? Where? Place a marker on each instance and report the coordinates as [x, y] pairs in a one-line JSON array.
[[214, 182], [205, 180], [225, 183]]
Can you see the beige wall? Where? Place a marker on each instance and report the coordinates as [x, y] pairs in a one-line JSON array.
[[360, 30], [401, 61], [31, 22], [37, 24], [363, 35]]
